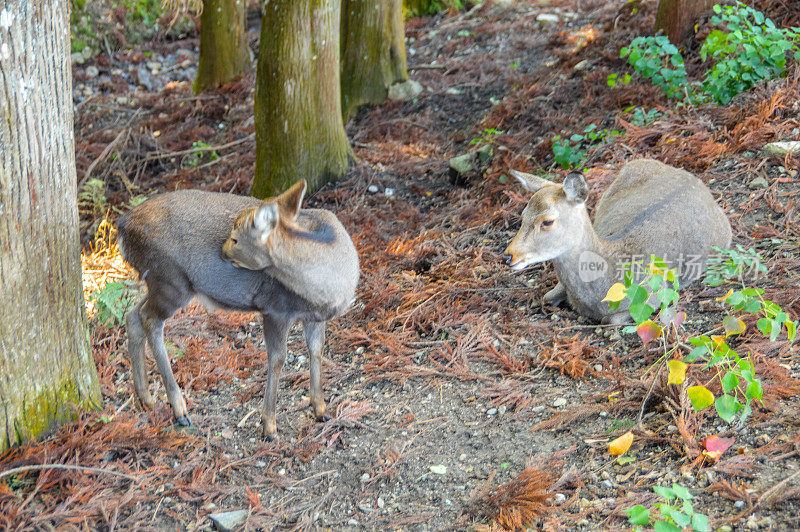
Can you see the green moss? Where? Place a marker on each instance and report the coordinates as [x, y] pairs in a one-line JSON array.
[[50, 408]]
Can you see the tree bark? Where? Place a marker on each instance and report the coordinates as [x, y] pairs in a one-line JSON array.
[[373, 51], [678, 17], [224, 54], [46, 364], [298, 116]]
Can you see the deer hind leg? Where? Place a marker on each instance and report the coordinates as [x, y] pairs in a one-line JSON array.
[[276, 332], [136, 348], [557, 295], [315, 339], [161, 303]]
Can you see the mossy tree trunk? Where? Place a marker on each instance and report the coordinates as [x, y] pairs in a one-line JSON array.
[[46, 364], [373, 51], [298, 117], [224, 54], [678, 17]]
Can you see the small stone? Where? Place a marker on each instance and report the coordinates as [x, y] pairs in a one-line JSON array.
[[559, 402], [752, 522], [381, 503], [491, 412], [605, 475], [281, 471], [502, 409], [547, 18], [145, 78], [781, 148], [598, 367], [739, 504], [122, 100], [560, 498], [92, 72], [388, 192], [405, 91], [758, 182], [672, 428], [365, 477], [614, 336], [77, 58], [462, 164], [352, 522], [583, 65], [555, 317], [607, 484], [453, 91], [725, 528], [360, 350], [261, 463], [226, 521], [462, 457]]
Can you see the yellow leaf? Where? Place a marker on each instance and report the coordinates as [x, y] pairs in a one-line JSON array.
[[700, 396], [621, 444], [726, 296], [733, 325], [677, 372], [615, 293]]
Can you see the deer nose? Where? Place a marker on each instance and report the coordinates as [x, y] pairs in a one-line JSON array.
[[507, 258]]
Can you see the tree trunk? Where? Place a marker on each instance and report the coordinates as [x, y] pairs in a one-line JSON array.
[[46, 364], [373, 51], [224, 54], [298, 116], [678, 17]]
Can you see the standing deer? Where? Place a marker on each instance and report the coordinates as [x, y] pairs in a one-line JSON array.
[[237, 253]]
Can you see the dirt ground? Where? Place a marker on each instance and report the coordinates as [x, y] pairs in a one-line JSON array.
[[460, 400]]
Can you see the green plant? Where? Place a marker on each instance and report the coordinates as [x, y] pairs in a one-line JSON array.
[[752, 49], [659, 60], [92, 199], [641, 117], [113, 302], [736, 374], [676, 513], [487, 136], [418, 8], [200, 153], [568, 153]]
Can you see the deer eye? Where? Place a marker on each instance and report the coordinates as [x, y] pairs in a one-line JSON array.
[[547, 223], [234, 241]]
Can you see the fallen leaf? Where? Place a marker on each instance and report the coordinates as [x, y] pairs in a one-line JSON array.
[[615, 293], [621, 445], [677, 372], [726, 296], [715, 446]]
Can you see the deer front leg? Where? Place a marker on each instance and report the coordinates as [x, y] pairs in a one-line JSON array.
[[136, 356], [315, 339], [276, 333], [557, 295]]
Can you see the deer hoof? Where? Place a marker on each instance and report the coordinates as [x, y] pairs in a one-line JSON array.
[[183, 421], [323, 418]]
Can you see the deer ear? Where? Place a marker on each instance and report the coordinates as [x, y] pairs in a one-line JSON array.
[[265, 219], [531, 182], [575, 188], [291, 200]]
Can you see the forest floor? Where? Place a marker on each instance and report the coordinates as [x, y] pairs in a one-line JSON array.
[[460, 400]]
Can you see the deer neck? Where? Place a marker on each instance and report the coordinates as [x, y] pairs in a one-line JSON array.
[[589, 268]]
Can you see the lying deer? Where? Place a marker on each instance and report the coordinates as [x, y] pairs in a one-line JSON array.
[[237, 253], [650, 209]]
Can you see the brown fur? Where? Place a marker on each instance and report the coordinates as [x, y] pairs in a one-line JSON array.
[[650, 209], [235, 252]]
